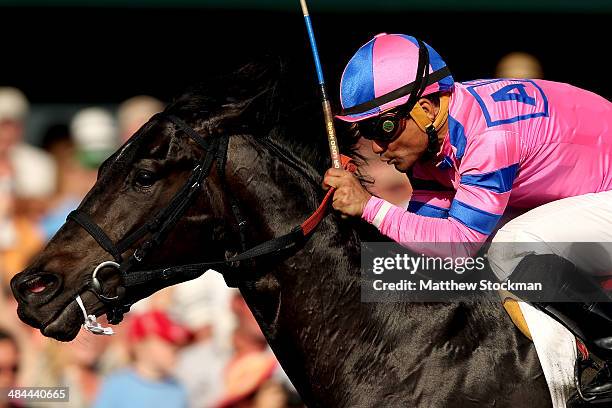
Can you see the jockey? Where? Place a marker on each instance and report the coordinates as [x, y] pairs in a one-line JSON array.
[[477, 150]]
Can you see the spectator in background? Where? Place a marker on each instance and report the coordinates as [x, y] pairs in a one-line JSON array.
[[203, 305], [27, 179], [148, 382], [18, 353], [71, 186], [519, 65], [35, 181], [34, 184], [19, 349], [57, 142], [95, 135], [135, 112], [79, 151], [13, 109], [9, 360], [247, 335], [76, 365], [253, 377], [9, 366], [249, 375], [18, 157]]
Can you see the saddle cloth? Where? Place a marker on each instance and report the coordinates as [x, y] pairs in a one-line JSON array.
[[555, 345]]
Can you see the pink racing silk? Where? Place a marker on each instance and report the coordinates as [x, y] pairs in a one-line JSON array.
[[511, 145], [401, 225]]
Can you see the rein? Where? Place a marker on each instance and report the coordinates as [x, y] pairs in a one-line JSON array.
[[158, 228]]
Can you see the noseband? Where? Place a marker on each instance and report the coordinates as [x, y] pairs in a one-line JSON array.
[[158, 228]]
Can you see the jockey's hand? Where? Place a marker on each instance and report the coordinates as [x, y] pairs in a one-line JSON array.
[[350, 197]]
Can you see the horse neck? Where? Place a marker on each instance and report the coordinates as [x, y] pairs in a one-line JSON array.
[[276, 191], [309, 304]]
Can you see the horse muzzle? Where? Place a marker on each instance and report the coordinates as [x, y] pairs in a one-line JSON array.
[[34, 291], [43, 305]]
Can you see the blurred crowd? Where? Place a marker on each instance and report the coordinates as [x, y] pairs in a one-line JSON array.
[[193, 345]]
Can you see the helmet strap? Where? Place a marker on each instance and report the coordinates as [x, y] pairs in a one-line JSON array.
[[431, 128]]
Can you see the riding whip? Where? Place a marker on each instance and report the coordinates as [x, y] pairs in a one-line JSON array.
[[327, 112]]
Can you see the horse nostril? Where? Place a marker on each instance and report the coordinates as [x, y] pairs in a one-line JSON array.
[[40, 284]]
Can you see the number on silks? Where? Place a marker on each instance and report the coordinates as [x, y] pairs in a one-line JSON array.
[[506, 94], [533, 103]]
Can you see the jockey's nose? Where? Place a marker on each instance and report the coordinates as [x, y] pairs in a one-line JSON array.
[[377, 148]]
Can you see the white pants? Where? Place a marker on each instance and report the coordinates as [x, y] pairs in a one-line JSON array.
[[578, 229]]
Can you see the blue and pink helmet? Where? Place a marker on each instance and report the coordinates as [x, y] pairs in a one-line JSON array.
[[384, 73]]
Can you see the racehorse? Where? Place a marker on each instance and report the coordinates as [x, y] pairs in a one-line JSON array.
[[337, 350]]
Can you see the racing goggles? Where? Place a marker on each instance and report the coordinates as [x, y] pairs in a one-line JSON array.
[[384, 128]]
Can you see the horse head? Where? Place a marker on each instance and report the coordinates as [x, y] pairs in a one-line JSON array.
[[169, 196]]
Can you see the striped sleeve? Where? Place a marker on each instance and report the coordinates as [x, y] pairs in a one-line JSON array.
[[487, 172], [428, 203], [412, 230], [429, 197]]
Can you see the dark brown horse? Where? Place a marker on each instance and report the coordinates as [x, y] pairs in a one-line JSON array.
[[338, 351]]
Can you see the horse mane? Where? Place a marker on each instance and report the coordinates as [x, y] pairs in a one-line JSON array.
[[267, 99]]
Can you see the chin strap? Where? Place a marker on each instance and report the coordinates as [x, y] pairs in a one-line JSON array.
[[431, 128]]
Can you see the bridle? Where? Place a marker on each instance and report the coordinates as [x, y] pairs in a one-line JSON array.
[[157, 229]]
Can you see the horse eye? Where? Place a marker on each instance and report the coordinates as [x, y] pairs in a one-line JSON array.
[[144, 178]]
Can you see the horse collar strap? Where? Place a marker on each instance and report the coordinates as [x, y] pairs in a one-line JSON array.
[[164, 221]]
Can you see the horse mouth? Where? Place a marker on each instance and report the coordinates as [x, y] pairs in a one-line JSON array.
[[65, 325], [40, 288], [36, 285]]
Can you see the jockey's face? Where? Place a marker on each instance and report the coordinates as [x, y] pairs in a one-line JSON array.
[[410, 145], [404, 150]]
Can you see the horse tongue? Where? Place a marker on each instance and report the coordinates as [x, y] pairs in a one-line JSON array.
[[37, 288], [37, 285]]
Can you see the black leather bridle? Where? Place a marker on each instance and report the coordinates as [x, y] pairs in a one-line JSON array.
[[158, 228]]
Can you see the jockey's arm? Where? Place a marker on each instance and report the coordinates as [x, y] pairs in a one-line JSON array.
[[487, 171]]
